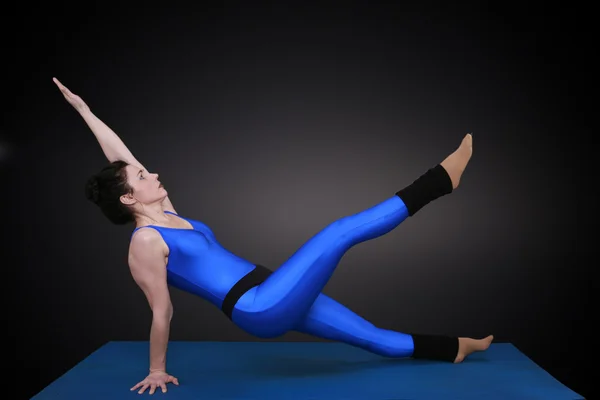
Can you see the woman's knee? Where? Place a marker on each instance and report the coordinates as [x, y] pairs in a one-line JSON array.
[[340, 225]]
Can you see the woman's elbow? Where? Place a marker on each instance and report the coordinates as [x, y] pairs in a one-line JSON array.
[[163, 313]]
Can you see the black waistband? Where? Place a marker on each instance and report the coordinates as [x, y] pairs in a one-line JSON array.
[[251, 279]]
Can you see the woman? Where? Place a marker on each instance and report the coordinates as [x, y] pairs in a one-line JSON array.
[[182, 252]]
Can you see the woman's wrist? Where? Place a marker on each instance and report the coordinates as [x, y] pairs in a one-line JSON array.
[[84, 110]]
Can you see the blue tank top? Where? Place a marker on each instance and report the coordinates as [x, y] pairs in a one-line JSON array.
[[198, 264]]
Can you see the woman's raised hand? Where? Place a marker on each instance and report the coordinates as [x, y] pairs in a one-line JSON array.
[[72, 98]]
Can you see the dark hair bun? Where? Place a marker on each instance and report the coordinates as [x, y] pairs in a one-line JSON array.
[[92, 191]]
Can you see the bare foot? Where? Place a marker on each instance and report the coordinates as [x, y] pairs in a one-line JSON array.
[[467, 346], [456, 162]]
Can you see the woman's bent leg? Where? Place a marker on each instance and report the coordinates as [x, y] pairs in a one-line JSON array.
[[285, 297]]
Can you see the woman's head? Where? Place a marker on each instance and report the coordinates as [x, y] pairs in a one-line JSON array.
[[122, 190]]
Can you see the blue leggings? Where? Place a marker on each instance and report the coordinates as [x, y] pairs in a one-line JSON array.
[[290, 299]]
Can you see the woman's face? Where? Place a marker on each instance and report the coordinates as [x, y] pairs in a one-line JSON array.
[[146, 186]]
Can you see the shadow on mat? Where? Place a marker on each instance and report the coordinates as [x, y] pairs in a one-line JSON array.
[[296, 366]]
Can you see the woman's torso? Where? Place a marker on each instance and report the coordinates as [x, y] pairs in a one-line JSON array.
[[196, 261]]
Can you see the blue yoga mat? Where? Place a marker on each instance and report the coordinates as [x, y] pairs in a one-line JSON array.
[[304, 370]]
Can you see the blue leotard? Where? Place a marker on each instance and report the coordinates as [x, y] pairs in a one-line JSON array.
[[290, 299]]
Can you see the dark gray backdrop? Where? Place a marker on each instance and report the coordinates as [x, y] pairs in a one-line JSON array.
[[267, 124]]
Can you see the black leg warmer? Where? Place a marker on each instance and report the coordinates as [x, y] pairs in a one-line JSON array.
[[431, 185], [435, 347]]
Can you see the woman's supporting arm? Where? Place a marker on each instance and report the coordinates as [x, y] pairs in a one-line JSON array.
[[148, 268]]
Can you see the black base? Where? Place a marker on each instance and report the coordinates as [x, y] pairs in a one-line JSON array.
[[254, 278]]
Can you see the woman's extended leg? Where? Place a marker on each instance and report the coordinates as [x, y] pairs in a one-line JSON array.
[[328, 319], [285, 297]]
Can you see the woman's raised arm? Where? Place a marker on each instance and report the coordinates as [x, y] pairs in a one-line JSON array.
[[113, 147]]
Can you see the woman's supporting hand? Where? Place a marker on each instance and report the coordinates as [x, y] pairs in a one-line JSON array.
[[72, 98], [155, 380]]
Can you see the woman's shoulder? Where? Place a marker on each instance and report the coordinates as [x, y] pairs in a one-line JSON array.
[[145, 238]]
